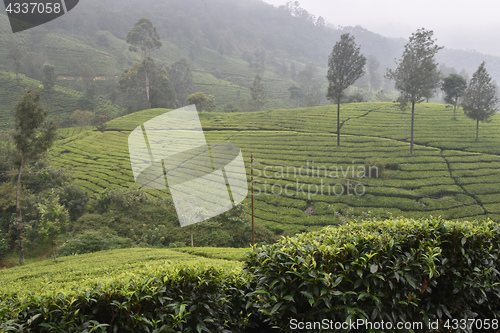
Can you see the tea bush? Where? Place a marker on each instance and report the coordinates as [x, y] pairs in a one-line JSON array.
[[394, 270], [202, 298]]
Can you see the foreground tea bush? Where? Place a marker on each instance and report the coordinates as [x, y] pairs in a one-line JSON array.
[[395, 271], [202, 298]]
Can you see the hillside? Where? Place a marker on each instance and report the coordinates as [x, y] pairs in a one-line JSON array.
[[226, 44], [450, 175], [62, 102]]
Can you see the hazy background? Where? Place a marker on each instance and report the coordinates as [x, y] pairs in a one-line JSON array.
[[471, 25]]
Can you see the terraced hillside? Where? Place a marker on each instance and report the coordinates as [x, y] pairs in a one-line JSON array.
[[62, 102], [301, 174]]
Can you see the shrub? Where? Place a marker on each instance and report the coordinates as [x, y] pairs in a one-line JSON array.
[[374, 169], [93, 241], [394, 270], [178, 298]]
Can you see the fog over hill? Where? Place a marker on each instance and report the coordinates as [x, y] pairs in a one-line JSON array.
[[243, 29]]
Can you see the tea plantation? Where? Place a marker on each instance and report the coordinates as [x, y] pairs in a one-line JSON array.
[[426, 271], [303, 181]]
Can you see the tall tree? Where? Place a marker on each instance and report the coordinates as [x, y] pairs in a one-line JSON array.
[[372, 66], [33, 135], [480, 99], [181, 77], [143, 36], [454, 87], [16, 54], [310, 85], [416, 75], [49, 77], [345, 65], [131, 85], [258, 94]]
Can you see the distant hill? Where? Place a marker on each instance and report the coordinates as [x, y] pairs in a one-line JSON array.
[[226, 42]]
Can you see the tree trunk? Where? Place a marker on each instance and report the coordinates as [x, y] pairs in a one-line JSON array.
[[477, 130], [455, 109], [20, 228], [412, 124], [338, 122], [147, 90]]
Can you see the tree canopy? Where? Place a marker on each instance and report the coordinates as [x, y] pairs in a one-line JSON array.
[[33, 135], [481, 98], [143, 36], [345, 65], [454, 87], [416, 76]]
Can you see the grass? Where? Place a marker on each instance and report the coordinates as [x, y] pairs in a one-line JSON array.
[[450, 175]]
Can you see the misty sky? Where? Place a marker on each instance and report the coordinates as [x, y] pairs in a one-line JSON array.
[[468, 25]]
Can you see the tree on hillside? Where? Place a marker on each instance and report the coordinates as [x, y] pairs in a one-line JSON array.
[[143, 36], [454, 87], [49, 77], [345, 65], [480, 99], [84, 118], [33, 135], [416, 75], [16, 54], [181, 77], [372, 66], [310, 85], [258, 94], [202, 101], [132, 87]]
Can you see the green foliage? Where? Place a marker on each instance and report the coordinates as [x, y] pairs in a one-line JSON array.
[[146, 80], [102, 123], [94, 240], [416, 76], [394, 270], [417, 185], [33, 135], [345, 65], [258, 94], [49, 76], [197, 295], [62, 102], [179, 73], [454, 87], [202, 101], [481, 98], [144, 36]]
